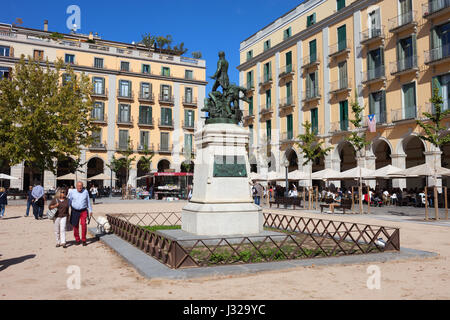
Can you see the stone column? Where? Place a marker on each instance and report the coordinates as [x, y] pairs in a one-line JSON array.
[[17, 172], [370, 164], [432, 158], [399, 161]]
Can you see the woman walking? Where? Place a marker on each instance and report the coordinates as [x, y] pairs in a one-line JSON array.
[[60, 220], [94, 192], [3, 201]]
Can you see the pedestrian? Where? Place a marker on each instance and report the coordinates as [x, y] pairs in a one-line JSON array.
[[81, 210], [259, 193], [38, 201], [29, 200], [94, 193], [61, 203], [3, 202]]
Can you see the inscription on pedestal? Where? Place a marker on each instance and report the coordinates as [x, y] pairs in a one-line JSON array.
[[229, 166]]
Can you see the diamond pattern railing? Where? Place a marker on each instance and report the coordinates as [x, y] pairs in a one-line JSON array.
[[297, 238]]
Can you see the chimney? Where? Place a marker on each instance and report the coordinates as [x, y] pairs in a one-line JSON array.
[[45, 25]]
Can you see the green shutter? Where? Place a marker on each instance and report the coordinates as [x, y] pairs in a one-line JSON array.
[[344, 115], [382, 118], [289, 61], [414, 49], [290, 126], [269, 130], [312, 51], [340, 4], [250, 106], [342, 37]]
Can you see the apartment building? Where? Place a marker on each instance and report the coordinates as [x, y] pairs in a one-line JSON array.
[[150, 98], [309, 64]]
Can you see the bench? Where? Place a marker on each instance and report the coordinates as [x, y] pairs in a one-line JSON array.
[[346, 204], [288, 201]]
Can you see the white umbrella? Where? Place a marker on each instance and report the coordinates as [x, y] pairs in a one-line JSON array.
[[70, 176], [386, 172], [325, 174], [298, 175], [7, 177], [255, 176], [101, 176], [356, 173], [424, 170]]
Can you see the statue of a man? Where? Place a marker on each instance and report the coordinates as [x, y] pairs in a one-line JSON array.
[[221, 75]]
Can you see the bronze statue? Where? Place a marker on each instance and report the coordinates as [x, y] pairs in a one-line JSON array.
[[223, 107]]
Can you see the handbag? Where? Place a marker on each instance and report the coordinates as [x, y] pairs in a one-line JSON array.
[[51, 213]]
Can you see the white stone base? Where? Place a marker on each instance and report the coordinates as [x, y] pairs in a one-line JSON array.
[[222, 219]]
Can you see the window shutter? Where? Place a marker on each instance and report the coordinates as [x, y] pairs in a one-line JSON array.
[[414, 47]]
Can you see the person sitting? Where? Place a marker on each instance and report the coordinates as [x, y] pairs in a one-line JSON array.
[[394, 199], [293, 192]]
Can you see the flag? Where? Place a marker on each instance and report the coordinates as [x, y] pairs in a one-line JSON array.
[[372, 123]]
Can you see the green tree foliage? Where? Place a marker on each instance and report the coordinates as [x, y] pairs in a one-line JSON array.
[[145, 161], [148, 40], [163, 44], [128, 160], [43, 119], [357, 138], [196, 55], [310, 145], [433, 128]]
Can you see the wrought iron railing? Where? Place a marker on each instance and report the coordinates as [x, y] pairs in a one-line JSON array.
[[402, 65], [374, 74], [434, 6], [402, 20], [372, 34], [437, 54], [340, 47]]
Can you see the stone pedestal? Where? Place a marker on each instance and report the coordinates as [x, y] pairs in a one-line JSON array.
[[221, 202]]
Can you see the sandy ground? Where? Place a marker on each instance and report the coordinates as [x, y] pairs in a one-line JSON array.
[[31, 267]]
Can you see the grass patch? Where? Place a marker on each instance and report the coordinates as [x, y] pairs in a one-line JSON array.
[[156, 228]]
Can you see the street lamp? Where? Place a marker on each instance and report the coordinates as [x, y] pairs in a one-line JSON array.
[[286, 191]]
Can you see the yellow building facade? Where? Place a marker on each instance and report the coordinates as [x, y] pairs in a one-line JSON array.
[[148, 98], [309, 64]]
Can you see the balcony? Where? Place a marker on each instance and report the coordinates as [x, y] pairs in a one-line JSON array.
[[374, 75], [250, 86], [123, 146], [341, 126], [410, 113], [437, 55], [102, 119], [407, 65], [185, 150], [267, 109], [97, 47], [166, 99], [286, 71], [190, 102], [100, 93], [146, 97], [265, 80], [146, 123], [166, 124], [435, 8], [429, 107], [287, 102], [150, 148], [287, 137], [402, 22], [124, 121], [248, 116], [123, 95], [188, 125], [166, 149], [311, 94], [339, 48], [310, 61], [369, 36], [98, 146], [381, 117], [340, 86]]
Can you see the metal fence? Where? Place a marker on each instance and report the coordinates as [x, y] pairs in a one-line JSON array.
[[293, 238]]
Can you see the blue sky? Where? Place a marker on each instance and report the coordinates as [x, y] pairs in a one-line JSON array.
[[206, 26]]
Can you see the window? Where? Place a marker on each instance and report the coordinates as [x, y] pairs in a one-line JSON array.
[[4, 51], [375, 64], [409, 100], [124, 66], [315, 120], [166, 116], [290, 126], [287, 33], [377, 105], [146, 90], [125, 88], [375, 23], [269, 130], [4, 72], [268, 99], [440, 42], [343, 79], [189, 118], [342, 38], [146, 68], [144, 139], [166, 92], [249, 55], [289, 62], [312, 87], [98, 63], [442, 83], [188, 96], [98, 112], [289, 92], [99, 85], [267, 71], [250, 106], [188, 139], [124, 113], [250, 127], [189, 74], [164, 141], [267, 45], [96, 137], [343, 111], [165, 71], [406, 53], [69, 58], [340, 4], [250, 80], [310, 20], [38, 54], [145, 115], [123, 139], [312, 51]]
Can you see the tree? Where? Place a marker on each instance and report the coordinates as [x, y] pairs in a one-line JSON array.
[[196, 55], [127, 161], [180, 49], [44, 118], [146, 160], [433, 130], [358, 139], [311, 146], [148, 40]]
